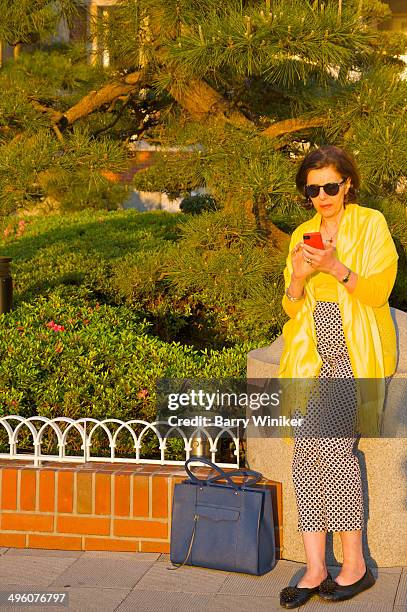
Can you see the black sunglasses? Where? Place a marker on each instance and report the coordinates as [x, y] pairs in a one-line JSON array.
[[332, 189]]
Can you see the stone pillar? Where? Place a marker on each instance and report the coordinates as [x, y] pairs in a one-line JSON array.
[[98, 9], [383, 464]]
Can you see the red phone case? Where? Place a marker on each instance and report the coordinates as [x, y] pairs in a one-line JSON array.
[[314, 239]]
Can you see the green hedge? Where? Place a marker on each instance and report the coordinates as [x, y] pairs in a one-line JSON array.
[[74, 345], [66, 354]]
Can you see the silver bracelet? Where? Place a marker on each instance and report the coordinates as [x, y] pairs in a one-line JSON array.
[[294, 299]]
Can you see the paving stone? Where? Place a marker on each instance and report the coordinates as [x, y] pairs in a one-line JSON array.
[[242, 603], [185, 579], [148, 601], [190, 602], [91, 600], [352, 605], [131, 556], [112, 573], [401, 597], [104, 581], [31, 571], [269, 585], [42, 552]]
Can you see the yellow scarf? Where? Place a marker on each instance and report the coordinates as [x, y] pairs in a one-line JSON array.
[[364, 244]]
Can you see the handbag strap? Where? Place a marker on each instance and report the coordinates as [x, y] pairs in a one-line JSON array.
[[191, 542], [247, 482]]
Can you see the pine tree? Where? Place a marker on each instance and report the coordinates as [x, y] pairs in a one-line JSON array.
[[242, 88]]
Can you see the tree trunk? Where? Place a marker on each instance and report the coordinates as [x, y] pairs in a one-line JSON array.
[[256, 211], [201, 100]]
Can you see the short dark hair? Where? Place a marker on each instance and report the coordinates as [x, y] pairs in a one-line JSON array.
[[329, 155]]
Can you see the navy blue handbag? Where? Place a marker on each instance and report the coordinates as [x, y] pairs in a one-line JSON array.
[[224, 526]]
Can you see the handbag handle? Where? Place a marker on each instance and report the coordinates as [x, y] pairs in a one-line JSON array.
[[247, 482], [256, 476]]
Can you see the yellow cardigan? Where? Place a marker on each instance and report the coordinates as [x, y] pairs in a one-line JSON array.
[[365, 245]]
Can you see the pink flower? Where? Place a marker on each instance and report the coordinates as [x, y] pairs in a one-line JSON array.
[[21, 228], [142, 394], [55, 327]]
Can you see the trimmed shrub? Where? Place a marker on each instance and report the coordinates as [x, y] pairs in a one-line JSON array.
[[196, 204]]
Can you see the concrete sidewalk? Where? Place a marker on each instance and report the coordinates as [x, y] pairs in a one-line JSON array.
[[123, 582]]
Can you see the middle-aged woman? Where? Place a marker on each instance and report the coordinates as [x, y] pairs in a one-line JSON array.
[[340, 328]]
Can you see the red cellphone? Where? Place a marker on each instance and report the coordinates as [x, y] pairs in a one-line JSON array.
[[314, 239]]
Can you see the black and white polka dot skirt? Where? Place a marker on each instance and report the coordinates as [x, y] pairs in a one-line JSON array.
[[326, 471]]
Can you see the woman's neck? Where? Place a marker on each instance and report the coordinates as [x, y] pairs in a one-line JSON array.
[[332, 223]]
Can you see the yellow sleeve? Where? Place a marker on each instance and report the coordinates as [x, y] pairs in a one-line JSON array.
[[290, 308], [375, 290]]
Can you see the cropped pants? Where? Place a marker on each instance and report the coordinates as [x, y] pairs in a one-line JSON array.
[[326, 471]]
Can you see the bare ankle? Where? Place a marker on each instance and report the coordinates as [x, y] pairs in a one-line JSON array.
[[353, 565], [313, 577], [316, 570]]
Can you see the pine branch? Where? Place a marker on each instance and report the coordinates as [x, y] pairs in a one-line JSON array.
[[92, 101], [198, 98], [115, 120], [296, 41], [95, 99], [297, 124], [53, 114]]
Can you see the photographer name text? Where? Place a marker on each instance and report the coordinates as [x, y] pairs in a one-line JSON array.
[[221, 421]]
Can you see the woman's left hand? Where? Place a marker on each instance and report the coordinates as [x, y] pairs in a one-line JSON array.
[[322, 260]]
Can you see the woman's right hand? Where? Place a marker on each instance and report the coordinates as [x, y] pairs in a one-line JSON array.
[[301, 268]]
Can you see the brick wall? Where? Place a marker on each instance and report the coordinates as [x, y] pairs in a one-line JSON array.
[[94, 506]]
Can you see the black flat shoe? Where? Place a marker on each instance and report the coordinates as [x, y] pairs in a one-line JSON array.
[[292, 597], [332, 591]]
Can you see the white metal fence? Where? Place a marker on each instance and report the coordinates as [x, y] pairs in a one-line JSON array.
[[64, 428]]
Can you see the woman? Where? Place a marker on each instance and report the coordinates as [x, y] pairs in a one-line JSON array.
[[340, 328]]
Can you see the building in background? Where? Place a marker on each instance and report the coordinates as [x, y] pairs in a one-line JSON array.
[[398, 21], [99, 14]]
